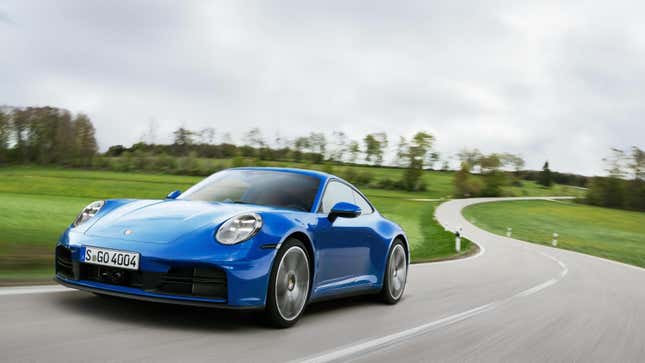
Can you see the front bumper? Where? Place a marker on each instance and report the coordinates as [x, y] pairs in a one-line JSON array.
[[228, 284]]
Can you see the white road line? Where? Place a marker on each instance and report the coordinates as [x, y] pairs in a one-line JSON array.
[[379, 343], [23, 290]]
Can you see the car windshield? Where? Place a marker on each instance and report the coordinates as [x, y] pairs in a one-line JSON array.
[[261, 187]]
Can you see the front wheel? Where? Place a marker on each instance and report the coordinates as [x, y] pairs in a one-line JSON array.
[[289, 285], [396, 274]]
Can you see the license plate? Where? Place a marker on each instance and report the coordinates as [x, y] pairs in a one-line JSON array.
[[114, 258]]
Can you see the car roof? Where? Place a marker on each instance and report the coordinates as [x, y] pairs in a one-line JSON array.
[[314, 173]]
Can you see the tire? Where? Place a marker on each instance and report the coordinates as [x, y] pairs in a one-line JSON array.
[[396, 274], [289, 285]]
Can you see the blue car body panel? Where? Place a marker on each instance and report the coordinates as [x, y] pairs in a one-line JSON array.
[[349, 254]]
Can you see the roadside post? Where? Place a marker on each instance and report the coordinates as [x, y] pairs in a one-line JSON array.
[[554, 243], [458, 239], [509, 232]]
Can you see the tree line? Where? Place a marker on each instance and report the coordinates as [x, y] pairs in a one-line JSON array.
[[46, 135], [316, 147], [49, 135], [189, 146], [493, 171], [624, 187]]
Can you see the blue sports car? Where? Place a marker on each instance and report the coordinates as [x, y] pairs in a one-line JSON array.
[[272, 239]]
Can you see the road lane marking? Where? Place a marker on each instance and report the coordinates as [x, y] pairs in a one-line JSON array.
[[24, 290], [368, 346]]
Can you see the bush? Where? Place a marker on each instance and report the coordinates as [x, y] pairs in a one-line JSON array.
[[164, 163], [188, 165], [387, 183], [493, 184], [238, 162], [362, 178], [101, 162]]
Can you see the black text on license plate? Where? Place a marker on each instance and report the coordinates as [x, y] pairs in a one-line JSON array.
[[115, 258]]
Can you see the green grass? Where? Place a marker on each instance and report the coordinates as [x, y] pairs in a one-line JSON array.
[[38, 203], [610, 233], [428, 240]]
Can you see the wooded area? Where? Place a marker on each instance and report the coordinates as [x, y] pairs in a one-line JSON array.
[[49, 135]]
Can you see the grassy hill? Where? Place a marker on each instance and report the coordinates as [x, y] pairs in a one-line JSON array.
[[610, 233]]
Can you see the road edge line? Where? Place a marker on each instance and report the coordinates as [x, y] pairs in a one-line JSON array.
[[35, 289], [376, 344]]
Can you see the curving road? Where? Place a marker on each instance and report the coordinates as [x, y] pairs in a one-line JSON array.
[[512, 302]]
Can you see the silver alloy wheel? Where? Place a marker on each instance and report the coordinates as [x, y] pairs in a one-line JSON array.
[[292, 283], [397, 272]]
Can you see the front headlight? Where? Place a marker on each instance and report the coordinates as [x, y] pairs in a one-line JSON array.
[[239, 228], [88, 212]]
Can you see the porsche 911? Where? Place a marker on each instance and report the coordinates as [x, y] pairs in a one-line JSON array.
[[270, 239]]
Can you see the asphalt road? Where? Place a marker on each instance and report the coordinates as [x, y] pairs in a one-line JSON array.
[[513, 302]]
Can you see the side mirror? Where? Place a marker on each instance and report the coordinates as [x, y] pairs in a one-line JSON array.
[[173, 195], [345, 210]]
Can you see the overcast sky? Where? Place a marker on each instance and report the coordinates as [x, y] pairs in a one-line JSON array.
[[556, 80]]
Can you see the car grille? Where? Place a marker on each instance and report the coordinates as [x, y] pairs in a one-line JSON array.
[[194, 281], [208, 282]]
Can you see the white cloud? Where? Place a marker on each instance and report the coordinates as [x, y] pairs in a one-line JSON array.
[[546, 79]]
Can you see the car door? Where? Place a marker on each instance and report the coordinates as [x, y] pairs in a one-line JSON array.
[[343, 245]]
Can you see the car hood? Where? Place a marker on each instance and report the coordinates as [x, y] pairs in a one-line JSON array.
[[164, 221]]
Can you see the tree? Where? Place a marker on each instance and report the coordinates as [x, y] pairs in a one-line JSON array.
[[340, 146], [183, 138], [354, 150], [20, 135], [465, 186], [85, 139], [513, 161], [401, 151], [636, 187], [254, 138], [207, 135], [469, 157], [545, 178], [375, 145], [417, 156], [489, 163], [45, 135], [433, 159], [5, 132], [624, 186], [318, 143], [616, 163], [302, 144], [64, 146], [637, 164]]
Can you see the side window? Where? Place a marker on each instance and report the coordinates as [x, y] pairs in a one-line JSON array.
[[334, 193], [363, 204]]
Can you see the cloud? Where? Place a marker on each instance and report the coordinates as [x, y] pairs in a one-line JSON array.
[[546, 80]]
